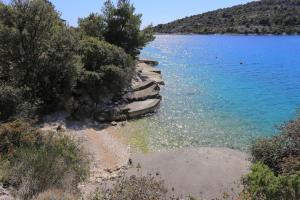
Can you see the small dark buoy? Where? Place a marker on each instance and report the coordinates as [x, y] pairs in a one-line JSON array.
[[241, 63]]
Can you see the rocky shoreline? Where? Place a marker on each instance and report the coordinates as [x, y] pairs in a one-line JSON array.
[[143, 96]]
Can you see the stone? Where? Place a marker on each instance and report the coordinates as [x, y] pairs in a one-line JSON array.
[[114, 123], [148, 93], [141, 85], [149, 62], [140, 108]]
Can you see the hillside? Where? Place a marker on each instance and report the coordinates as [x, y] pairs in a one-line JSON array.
[[260, 17]]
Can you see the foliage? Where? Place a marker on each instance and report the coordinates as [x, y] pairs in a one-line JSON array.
[[107, 68], [12, 103], [276, 175], [262, 183], [93, 26], [46, 65], [9, 101], [37, 51], [134, 188], [257, 17], [281, 153], [124, 27], [34, 161]]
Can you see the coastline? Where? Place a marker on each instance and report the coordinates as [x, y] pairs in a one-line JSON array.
[[205, 172], [230, 34]]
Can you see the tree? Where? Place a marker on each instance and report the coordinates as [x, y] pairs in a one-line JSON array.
[[124, 27], [37, 51], [107, 69], [92, 26]]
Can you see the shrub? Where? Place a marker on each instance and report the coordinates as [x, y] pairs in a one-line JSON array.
[[13, 105], [124, 27], [107, 68], [281, 153], [10, 98], [38, 51], [34, 161], [262, 183], [93, 26]]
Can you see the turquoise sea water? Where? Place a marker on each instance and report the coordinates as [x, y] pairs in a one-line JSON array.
[[223, 90]]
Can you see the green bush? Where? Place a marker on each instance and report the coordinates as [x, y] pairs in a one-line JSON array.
[[276, 175], [10, 98], [13, 105], [93, 26], [262, 183], [124, 27], [37, 51], [281, 153], [46, 65], [34, 161], [107, 68]]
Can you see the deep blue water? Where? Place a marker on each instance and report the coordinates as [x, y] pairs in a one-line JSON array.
[[223, 90]]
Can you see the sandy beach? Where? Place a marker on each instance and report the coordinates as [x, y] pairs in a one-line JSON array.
[[202, 172], [205, 172]]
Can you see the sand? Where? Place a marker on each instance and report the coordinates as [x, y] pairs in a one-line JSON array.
[[200, 172], [203, 172]]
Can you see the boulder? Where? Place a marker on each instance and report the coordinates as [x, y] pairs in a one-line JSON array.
[[148, 93], [140, 108], [141, 85], [149, 62]]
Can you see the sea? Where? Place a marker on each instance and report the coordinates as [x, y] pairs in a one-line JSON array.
[[220, 90]]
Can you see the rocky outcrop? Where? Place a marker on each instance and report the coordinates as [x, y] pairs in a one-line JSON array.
[[140, 108], [141, 98], [147, 93], [149, 62], [144, 96], [137, 86], [149, 73]]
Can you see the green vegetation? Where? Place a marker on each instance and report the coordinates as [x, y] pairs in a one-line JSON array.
[[118, 25], [262, 183], [123, 27], [33, 161], [45, 65], [281, 153], [276, 175], [37, 55], [107, 69], [258, 17]]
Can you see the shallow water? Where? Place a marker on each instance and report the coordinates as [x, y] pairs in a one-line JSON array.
[[221, 90]]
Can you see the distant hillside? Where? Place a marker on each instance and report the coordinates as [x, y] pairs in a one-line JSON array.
[[261, 17]]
